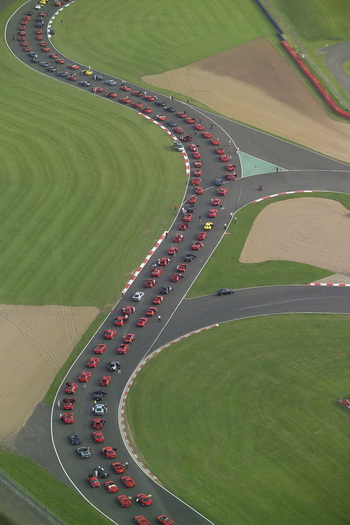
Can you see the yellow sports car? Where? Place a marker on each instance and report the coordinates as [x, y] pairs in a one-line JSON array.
[[208, 225], [87, 72]]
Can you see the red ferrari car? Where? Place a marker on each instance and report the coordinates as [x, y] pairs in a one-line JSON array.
[[71, 388], [186, 138], [125, 100], [147, 110], [137, 105], [216, 201], [73, 77], [165, 520], [124, 501], [201, 236], [110, 334], [190, 120], [173, 250], [118, 467], [27, 49], [84, 377], [39, 37], [178, 238], [197, 245], [207, 135], [193, 147], [230, 167], [141, 520], [213, 213], [196, 181], [129, 338], [156, 272], [45, 49], [67, 418], [192, 200], [149, 283], [68, 403], [215, 142], [199, 190], [125, 88], [97, 89], [222, 191], [111, 94], [105, 380], [196, 155], [187, 217], [198, 164], [199, 127], [152, 311], [197, 172], [220, 151], [176, 277], [158, 299], [119, 321], [128, 482], [98, 436], [128, 310], [59, 60], [164, 261], [111, 486], [92, 479], [142, 322], [178, 130], [160, 118], [143, 499], [137, 93], [224, 158], [183, 226], [37, 32], [122, 349], [93, 362], [150, 98], [99, 349], [182, 267], [97, 423], [181, 114], [43, 44], [230, 175], [73, 66], [109, 452]]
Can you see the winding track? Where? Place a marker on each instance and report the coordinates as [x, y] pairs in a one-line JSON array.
[[305, 170]]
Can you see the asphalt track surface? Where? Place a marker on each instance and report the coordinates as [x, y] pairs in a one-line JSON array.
[[305, 171]]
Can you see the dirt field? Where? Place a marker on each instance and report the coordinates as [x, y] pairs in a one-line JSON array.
[[35, 342], [253, 83], [302, 230]]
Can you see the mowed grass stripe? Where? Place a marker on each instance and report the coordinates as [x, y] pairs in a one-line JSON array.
[[80, 205], [149, 38], [253, 407]]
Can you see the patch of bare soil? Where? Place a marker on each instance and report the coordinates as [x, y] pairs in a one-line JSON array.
[[35, 342], [255, 84], [310, 230]]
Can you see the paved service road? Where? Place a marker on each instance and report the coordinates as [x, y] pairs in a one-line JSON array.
[[305, 171]]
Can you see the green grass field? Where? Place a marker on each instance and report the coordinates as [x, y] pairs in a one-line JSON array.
[[317, 23], [259, 436], [79, 199], [146, 38], [224, 269], [63, 502]]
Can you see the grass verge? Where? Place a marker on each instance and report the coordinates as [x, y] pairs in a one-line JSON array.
[[63, 502], [224, 269], [257, 398]]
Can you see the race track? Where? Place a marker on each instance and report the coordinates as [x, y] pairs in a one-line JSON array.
[[305, 171]]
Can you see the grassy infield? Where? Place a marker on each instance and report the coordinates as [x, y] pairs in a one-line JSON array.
[[84, 182]]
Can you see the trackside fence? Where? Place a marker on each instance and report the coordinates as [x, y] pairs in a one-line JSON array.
[[43, 511], [299, 59]]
